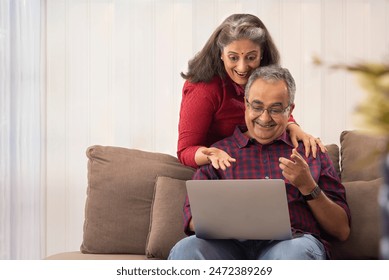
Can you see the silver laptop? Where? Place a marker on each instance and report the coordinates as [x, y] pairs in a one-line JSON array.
[[255, 209]]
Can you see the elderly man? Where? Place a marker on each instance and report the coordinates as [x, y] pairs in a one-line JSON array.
[[263, 149]]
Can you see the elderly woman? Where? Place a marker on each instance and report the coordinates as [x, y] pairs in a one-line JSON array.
[[213, 94]]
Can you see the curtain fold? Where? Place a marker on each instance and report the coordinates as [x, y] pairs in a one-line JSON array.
[[22, 157]]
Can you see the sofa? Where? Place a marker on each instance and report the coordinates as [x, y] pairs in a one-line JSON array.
[[134, 201]]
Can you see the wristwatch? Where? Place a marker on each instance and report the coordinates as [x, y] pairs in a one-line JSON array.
[[313, 194]]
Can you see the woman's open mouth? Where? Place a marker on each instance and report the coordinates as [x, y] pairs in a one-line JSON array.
[[241, 74]]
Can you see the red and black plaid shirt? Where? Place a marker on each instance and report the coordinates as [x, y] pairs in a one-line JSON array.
[[257, 161]]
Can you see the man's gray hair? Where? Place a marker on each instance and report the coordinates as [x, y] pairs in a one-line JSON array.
[[273, 73]]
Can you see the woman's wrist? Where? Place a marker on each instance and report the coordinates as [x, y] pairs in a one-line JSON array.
[[200, 157], [290, 123]]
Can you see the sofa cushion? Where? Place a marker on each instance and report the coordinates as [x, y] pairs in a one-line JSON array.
[[166, 219], [77, 255], [361, 156], [119, 196], [363, 243]]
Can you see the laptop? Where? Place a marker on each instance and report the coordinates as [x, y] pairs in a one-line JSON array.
[[248, 209]]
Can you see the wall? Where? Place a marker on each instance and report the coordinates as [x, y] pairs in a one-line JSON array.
[[113, 77]]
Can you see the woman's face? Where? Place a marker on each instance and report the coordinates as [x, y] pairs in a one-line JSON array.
[[240, 58]]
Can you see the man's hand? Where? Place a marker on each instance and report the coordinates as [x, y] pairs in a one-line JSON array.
[[331, 217], [297, 171]]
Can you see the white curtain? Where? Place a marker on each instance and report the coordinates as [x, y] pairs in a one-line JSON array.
[[22, 132]]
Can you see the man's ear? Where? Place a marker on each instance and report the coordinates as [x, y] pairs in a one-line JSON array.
[[291, 108], [245, 102]]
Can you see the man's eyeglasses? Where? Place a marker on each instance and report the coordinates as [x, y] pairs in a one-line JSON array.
[[274, 111]]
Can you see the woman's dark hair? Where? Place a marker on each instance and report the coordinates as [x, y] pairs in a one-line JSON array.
[[207, 63]]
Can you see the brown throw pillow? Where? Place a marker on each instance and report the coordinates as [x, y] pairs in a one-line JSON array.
[[363, 243], [166, 225], [361, 156], [119, 196]]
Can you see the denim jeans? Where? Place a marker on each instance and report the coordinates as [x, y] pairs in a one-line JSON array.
[[305, 247]]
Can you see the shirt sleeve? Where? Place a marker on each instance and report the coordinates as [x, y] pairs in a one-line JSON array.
[[330, 183], [196, 114]]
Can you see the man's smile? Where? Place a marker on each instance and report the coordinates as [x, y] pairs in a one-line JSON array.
[[268, 125]]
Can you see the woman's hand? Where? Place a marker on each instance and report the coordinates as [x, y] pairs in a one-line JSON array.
[[218, 158], [310, 142]]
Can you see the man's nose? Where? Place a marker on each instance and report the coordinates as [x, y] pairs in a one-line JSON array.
[[265, 116]]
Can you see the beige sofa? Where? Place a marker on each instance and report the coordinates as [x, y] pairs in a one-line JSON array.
[[134, 201]]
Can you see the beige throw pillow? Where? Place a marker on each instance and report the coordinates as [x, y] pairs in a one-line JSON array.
[[361, 156], [166, 219]]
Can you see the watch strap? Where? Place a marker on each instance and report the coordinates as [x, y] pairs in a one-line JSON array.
[[313, 194]]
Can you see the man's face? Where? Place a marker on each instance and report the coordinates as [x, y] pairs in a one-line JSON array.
[[273, 96], [240, 58]]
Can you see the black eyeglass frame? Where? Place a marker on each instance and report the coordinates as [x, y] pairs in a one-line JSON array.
[[274, 112]]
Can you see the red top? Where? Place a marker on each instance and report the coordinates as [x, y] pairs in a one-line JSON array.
[[209, 112]]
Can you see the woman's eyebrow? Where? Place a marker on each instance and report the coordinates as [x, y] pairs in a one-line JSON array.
[[250, 52]]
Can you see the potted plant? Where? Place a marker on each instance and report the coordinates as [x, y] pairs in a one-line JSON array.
[[374, 112]]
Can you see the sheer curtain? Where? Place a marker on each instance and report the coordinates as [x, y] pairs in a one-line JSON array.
[[22, 95]]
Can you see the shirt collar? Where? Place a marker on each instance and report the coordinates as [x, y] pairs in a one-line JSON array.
[[242, 140]]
